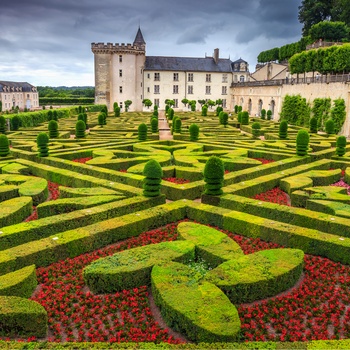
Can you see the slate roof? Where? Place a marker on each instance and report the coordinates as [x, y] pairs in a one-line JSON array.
[[26, 87], [188, 64], [139, 40]]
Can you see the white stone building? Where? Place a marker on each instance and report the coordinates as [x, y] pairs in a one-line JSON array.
[[18, 94], [124, 72]]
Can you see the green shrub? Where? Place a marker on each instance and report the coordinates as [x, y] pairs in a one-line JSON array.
[[214, 176], [329, 126], [269, 114], [80, 128], [2, 124], [193, 106], [204, 111], [313, 125], [239, 117], [178, 124], [171, 113], [245, 118], [256, 129], [154, 125], [194, 132], [53, 129], [218, 110], [15, 123], [153, 177], [236, 109], [55, 115], [49, 115], [101, 119], [341, 144], [263, 114], [302, 142], [283, 130], [4, 146], [142, 132], [42, 141], [117, 111]]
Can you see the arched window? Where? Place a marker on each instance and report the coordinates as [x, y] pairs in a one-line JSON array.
[[241, 78]]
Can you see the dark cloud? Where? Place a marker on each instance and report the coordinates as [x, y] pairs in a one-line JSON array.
[[49, 42]]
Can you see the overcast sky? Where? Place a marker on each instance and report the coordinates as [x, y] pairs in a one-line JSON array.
[[48, 42]]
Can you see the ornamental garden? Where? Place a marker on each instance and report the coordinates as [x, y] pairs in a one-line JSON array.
[[232, 233]]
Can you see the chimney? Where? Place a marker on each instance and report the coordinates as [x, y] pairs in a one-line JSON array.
[[216, 56]]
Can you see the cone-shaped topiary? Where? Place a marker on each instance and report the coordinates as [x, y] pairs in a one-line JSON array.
[[194, 132], [80, 128], [153, 177], [214, 171], [283, 130], [171, 113], [224, 117], [263, 114], [329, 126], [117, 111], [269, 114], [4, 146], [101, 119], [313, 125], [256, 129], [142, 132], [178, 124], [42, 141], [302, 142], [2, 124], [53, 129], [204, 111], [245, 118], [154, 125], [341, 144], [173, 124]]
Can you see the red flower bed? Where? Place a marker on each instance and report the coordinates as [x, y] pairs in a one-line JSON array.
[[81, 160], [176, 180], [276, 195], [264, 161]]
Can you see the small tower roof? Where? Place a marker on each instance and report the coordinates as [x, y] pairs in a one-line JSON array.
[[139, 38]]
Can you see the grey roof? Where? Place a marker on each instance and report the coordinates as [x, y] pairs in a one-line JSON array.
[[139, 40], [26, 87], [240, 61], [188, 64]]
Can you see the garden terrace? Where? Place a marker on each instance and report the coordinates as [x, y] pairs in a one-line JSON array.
[[85, 255]]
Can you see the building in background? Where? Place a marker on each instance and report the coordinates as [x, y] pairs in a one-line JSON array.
[[124, 72], [18, 94]]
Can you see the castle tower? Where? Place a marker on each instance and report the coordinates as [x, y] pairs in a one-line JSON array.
[[119, 72]]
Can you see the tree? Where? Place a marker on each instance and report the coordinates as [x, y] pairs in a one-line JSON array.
[[329, 31], [302, 142], [42, 141], [153, 177], [338, 114], [214, 171], [2, 125], [184, 101], [204, 110], [201, 102], [147, 102], [211, 103], [341, 146], [127, 104], [0, 106]]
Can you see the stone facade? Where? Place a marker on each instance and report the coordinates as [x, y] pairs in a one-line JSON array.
[[124, 72], [18, 94]]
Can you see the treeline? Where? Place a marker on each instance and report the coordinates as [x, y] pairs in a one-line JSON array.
[[44, 101], [333, 59], [64, 91]]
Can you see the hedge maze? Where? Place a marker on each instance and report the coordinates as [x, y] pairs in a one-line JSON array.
[[204, 259]]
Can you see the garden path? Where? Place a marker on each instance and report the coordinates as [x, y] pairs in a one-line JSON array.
[[163, 126]]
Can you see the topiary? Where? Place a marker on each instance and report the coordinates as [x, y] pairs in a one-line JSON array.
[[214, 171], [117, 111], [313, 125], [245, 118], [15, 122], [154, 125], [269, 114], [283, 130], [330, 127], [155, 113], [101, 119], [302, 142], [142, 132], [49, 115], [224, 117], [341, 144], [55, 115], [81, 116], [4, 146], [236, 109], [218, 110], [239, 117], [2, 125], [263, 114], [171, 113], [194, 132], [86, 120], [80, 128], [204, 111], [42, 141], [256, 129], [178, 124], [173, 124], [53, 129], [153, 177]]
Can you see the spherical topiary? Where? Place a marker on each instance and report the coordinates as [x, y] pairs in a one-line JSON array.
[[256, 129], [2, 124], [283, 130], [313, 125], [4, 146], [302, 142], [142, 132], [204, 111], [42, 141], [329, 126], [245, 118], [80, 128], [178, 124], [53, 129], [154, 125], [194, 132], [214, 171], [153, 177], [269, 114], [341, 144], [15, 123]]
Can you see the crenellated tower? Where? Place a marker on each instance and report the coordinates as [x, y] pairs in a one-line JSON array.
[[119, 72]]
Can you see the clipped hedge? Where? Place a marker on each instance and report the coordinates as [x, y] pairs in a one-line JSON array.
[[15, 210]]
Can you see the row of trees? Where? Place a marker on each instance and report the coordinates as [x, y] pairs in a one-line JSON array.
[[334, 59]]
